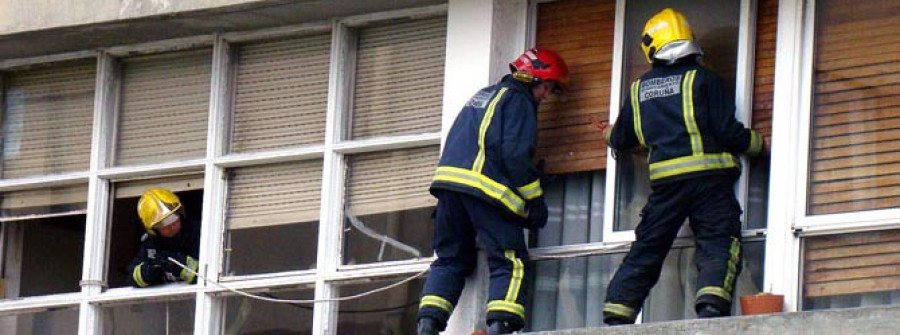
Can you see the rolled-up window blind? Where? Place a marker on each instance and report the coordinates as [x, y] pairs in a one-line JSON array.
[[175, 184], [274, 194], [47, 118], [164, 107], [582, 33], [281, 93], [856, 119], [390, 181], [399, 79]]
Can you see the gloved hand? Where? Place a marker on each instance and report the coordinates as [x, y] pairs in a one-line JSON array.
[[537, 213], [177, 271]]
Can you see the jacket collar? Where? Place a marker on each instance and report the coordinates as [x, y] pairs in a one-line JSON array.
[[512, 83]]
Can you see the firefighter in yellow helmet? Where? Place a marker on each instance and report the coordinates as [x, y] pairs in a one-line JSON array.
[[169, 234], [681, 112]]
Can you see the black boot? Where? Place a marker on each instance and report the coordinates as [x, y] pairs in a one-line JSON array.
[[497, 327], [428, 326], [708, 311], [616, 321]]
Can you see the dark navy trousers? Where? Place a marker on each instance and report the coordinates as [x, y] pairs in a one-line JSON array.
[[459, 218], [714, 214]]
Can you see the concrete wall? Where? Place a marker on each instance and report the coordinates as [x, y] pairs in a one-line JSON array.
[[26, 15]]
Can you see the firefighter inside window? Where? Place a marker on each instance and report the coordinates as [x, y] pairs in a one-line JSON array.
[[170, 235]]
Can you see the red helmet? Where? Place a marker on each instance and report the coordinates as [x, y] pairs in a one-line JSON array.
[[538, 64]]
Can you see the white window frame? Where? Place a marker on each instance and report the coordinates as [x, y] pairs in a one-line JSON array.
[[209, 308]]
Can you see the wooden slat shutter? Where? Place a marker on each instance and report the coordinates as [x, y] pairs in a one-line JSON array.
[[281, 93], [582, 33], [399, 78], [391, 181], [164, 107], [856, 119], [852, 263], [47, 119], [274, 194], [764, 67]]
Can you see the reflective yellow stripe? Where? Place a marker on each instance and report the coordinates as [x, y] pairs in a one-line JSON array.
[[756, 141], [532, 190], [636, 109], [482, 131], [515, 280], [436, 301], [716, 291], [481, 182], [186, 275], [687, 164], [735, 253], [138, 279], [687, 107], [620, 310], [506, 306]]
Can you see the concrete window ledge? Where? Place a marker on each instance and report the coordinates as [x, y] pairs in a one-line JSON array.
[[865, 320]]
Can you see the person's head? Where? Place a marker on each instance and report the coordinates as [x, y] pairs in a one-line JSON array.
[[668, 38], [161, 212], [542, 70]]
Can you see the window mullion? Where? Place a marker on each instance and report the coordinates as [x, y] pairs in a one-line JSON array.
[[96, 232], [618, 57], [333, 173], [209, 312]]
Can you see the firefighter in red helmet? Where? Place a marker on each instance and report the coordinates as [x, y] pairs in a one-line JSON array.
[[488, 185]]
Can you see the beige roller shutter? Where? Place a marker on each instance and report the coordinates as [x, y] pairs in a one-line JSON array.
[[764, 67], [47, 119], [274, 194], [175, 184], [164, 107], [856, 107], [281, 93], [391, 181], [399, 78], [582, 33]]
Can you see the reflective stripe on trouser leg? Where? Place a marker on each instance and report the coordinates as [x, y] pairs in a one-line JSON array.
[[625, 312], [436, 301], [731, 270], [510, 302]]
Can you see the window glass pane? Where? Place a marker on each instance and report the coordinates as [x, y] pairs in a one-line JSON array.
[[250, 316], [715, 27], [851, 270], [281, 93], [48, 113], [399, 79], [61, 321], [127, 231], [673, 296], [575, 206], [570, 293], [855, 119], [388, 312], [276, 203], [164, 105], [168, 317], [388, 214], [43, 256]]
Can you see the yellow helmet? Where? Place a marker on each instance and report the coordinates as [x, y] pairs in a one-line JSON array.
[[668, 36], [156, 205]]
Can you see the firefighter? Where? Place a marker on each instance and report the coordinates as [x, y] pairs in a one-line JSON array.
[[680, 111], [487, 185], [169, 233]]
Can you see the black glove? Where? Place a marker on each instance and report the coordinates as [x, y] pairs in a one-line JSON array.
[[173, 270], [537, 213]]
